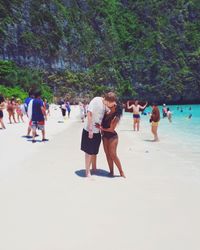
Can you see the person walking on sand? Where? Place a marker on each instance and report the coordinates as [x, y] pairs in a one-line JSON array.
[[91, 136], [63, 109], [155, 118], [2, 106], [136, 113], [110, 137], [68, 107], [38, 116]]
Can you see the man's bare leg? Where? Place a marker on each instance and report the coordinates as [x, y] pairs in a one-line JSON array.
[[88, 161], [94, 163]]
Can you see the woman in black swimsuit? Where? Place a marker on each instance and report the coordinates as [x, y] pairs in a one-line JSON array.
[[110, 138]]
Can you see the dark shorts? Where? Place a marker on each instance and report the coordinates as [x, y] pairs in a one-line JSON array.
[[136, 116], [1, 114], [63, 112], [90, 146]]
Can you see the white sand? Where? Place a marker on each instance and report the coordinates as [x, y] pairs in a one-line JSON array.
[[47, 205]]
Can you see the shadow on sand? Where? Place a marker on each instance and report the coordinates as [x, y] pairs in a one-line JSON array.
[[150, 140], [126, 130], [99, 172]]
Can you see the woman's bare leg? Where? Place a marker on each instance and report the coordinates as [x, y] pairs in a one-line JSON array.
[[2, 124], [109, 159], [13, 116], [113, 154], [9, 117]]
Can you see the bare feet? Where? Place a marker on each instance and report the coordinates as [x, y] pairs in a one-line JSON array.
[[122, 174]]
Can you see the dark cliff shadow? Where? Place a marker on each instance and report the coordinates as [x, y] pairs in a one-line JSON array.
[[99, 172]]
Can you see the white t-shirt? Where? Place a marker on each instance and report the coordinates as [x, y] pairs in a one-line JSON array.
[[30, 109], [98, 109]]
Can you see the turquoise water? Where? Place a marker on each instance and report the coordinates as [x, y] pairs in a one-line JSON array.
[[183, 134]]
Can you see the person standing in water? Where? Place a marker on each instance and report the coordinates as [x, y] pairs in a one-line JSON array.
[[136, 113], [155, 118], [169, 115]]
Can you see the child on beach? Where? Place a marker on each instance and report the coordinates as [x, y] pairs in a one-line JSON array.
[[19, 110], [110, 137], [136, 113], [155, 118], [2, 106]]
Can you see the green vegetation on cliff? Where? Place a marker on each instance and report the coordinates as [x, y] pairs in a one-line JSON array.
[[16, 81], [148, 49]]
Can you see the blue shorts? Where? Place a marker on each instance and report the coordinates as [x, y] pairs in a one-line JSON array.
[[136, 116]]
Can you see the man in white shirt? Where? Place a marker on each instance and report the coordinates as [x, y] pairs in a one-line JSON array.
[[91, 136]]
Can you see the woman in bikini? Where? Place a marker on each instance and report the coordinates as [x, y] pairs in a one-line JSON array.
[[110, 138], [136, 113]]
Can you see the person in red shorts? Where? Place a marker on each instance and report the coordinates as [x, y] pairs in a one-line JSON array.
[[38, 116]]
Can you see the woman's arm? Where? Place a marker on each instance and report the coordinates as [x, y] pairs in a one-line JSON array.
[[113, 125]]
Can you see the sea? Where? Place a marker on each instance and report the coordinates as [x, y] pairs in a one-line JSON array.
[[182, 136]]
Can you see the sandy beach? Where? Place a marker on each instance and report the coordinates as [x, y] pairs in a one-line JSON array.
[[47, 204]]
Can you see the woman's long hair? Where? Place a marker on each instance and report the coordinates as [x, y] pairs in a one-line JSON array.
[[119, 110], [1, 99]]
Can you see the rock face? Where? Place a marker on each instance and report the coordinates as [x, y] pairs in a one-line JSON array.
[[143, 48], [33, 34]]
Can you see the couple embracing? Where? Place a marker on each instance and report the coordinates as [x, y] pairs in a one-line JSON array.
[[102, 118]]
